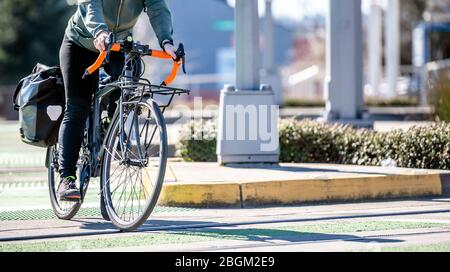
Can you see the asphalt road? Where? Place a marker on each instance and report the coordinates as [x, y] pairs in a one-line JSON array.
[[409, 225]]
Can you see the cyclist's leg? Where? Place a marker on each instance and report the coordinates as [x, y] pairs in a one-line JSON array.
[[115, 65], [74, 60], [114, 69]]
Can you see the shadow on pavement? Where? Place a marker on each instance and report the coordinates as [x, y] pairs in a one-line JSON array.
[[149, 225], [280, 235], [245, 234]]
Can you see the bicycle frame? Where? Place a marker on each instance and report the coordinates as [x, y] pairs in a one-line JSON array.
[[95, 144], [129, 86]]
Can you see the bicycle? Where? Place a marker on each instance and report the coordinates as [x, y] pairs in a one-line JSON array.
[[130, 156]]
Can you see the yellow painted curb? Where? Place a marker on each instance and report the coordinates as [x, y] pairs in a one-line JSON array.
[[347, 189], [243, 194], [200, 195]]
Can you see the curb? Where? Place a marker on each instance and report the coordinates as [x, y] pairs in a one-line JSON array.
[[205, 195], [290, 192]]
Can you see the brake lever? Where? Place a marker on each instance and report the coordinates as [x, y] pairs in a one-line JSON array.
[[109, 42], [181, 55]]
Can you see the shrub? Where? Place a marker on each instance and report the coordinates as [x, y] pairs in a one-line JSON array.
[[303, 103], [307, 143], [198, 141], [360, 147], [423, 147], [399, 101], [314, 142]]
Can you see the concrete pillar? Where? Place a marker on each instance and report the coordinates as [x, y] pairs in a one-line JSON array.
[[392, 32], [375, 46], [271, 72], [269, 38], [248, 130], [247, 45], [344, 86], [421, 53]]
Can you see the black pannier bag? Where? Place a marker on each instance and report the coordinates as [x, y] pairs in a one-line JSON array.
[[40, 100]]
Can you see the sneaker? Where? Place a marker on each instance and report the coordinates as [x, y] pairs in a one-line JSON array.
[[105, 121], [67, 190]]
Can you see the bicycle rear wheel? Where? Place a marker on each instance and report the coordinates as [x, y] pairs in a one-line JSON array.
[[132, 179], [65, 210]]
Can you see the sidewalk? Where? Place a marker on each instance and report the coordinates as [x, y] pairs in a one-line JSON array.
[[210, 185]]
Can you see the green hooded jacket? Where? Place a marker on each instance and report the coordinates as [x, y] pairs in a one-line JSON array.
[[117, 16]]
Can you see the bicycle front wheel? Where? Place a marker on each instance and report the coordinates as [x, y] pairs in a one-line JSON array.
[[134, 164]]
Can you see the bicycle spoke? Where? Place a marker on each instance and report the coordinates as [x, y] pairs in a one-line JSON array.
[[109, 179], [130, 196], [139, 195], [124, 192], [120, 198], [118, 185], [135, 194], [127, 199]]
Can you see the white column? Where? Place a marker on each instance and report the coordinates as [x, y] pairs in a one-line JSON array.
[[271, 75], [269, 39], [375, 44], [344, 88], [392, 32], [247, 45], [247, 131]]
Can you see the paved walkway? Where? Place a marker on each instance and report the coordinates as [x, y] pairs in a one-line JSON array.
[[213, 172]]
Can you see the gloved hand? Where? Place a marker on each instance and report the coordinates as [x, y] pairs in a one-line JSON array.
[[170, 49], [99, 42]]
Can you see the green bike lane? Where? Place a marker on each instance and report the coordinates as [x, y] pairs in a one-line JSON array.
[[419, 225]]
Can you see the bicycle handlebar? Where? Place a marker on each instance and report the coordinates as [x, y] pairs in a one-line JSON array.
[[117, 47]]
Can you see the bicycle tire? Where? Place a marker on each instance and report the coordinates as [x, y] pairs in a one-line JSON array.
[[153, 107]]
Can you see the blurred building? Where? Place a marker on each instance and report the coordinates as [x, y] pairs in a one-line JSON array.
[[431, 47], [437, 11], [304, 77], [207, 30]]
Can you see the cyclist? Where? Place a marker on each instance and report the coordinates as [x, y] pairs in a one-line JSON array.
[[85, 37]]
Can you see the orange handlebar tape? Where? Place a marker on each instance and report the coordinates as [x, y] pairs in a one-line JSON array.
[[94, 67], [160, 54], [173, 74], [155, 53]]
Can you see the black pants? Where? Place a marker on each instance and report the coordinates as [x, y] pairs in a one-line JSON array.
[[79, 94], [73, 61]]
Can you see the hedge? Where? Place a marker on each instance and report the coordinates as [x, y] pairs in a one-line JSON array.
[[315, 142], [198, 141], [399, 101]]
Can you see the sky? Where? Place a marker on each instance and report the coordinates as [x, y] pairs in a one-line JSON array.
[[297, 10]]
